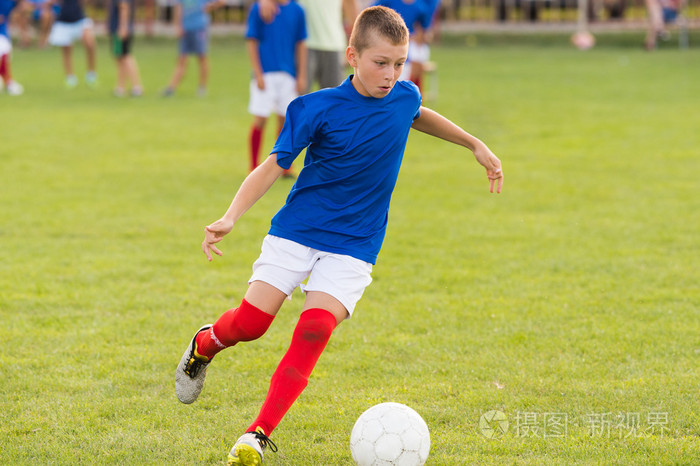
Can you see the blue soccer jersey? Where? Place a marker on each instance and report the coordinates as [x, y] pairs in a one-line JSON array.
[[354, 148], [278, 39], [194, 15], [418, 11], [6, 7]]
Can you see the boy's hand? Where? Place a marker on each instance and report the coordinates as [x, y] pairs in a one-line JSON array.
[[493, 166], [213, 234], [301, 85], [268, 9]]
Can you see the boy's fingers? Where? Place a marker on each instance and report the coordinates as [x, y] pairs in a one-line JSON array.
[[205, 249], [496, 180]]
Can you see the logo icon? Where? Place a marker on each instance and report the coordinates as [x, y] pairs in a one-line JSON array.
[[493, 424]]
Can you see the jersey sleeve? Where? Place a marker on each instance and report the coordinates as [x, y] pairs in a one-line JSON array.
[[254, 29], [301, 31], [425, 17], [295, 136]]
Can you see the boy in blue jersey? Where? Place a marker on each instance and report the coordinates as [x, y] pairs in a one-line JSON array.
[[334, 220], [278, 56], [12, 86], [192, 25]]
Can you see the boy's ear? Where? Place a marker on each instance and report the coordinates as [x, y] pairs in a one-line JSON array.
[[351, 55]]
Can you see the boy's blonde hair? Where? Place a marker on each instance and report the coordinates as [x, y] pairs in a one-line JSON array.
[[380, 20]]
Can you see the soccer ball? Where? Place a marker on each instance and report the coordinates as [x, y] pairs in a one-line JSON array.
[[390, 434], [583, 40]]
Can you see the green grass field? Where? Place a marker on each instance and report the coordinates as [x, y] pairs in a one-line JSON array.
[[570, 302]]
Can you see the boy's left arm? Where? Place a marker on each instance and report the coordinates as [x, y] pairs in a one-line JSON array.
[[214, 5], [431, 122], [302, 55], [123, 30]]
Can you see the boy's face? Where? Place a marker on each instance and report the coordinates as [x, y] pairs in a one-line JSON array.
[[378, 67]]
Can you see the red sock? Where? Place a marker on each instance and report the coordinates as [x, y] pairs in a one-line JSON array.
[[292, 375], [418, 82], [256, 135], [243, 324], [3, 67]]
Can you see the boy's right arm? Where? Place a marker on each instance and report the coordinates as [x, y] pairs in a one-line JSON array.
[[123, 31], [253, 187], [177, 19], [254, 55]]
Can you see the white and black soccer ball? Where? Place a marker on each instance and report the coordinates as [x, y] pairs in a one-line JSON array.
[[390, 434]]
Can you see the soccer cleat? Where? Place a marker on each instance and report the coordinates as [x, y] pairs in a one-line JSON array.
[[71, 81], [249, 449], [190, 373], [14, 88], [91, 79]]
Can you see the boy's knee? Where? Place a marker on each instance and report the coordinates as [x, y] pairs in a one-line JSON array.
[[316, 325]]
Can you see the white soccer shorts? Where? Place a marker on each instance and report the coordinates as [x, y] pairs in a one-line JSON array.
[[280, 90], [285, 264], [64, 34]]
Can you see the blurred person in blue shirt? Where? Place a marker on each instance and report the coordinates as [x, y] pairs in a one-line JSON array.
[[192, 23]]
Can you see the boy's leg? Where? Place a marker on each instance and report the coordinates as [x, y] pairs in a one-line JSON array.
[[203, 71], [46, 20], [4, 67], [121, 75], [66, 54], [178, 75], [248, 322], [256, 136], [322, 313], [90, 49], [132, 69]]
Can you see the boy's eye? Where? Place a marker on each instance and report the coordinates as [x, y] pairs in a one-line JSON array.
[[380, 63]]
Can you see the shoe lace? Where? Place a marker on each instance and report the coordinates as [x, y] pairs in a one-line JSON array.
[[195, 364], [264, 440]]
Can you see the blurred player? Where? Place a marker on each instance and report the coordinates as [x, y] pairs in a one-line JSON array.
[[12, 86], [418, 15], [192, 24], [121, 33], [71, 24], [40, 13], [328, 23], [278, 57]]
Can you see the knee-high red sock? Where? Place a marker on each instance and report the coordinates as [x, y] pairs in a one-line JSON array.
[[3, 66], [256, 135], [418, 82], [243, 324], [292, 375]]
